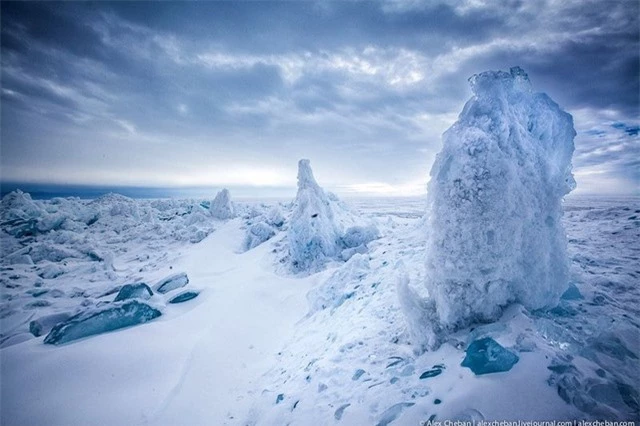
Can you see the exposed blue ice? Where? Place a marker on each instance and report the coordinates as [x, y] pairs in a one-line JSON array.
[[435, 371], [172, 282], [97, 321], [134, 291], [392, 413], [486, 356], [572, 293], [184, 296], [340, 411], [359, 372]]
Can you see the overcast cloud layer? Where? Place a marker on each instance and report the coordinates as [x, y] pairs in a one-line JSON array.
[[221, 93]]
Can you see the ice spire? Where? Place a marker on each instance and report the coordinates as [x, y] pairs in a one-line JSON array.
[[495, 204]]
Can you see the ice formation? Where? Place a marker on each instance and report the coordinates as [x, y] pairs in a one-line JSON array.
[[317, 226], [487, 356], [44, 324], [222, 207], [495, 204], [111, 317], [184, 296], [257, 234], [314, 235], [172, 282], [134, 291]]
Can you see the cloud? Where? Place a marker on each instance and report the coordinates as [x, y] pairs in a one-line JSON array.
[[166, 94]]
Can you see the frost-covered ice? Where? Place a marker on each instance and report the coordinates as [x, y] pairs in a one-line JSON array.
[[321, 228], [314, 232], [221, 206], [494, 221]]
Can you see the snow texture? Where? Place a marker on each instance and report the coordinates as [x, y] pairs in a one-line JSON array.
[[495, 235], [222, 207]]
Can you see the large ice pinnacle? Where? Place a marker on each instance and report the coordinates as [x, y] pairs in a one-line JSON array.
[[221, 206], [494, 204], [313, 234]]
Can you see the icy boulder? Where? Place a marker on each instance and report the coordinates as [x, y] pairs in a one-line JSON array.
[[257, 234], [275, 217], [314, 235], [221, 207], [184, 296], [134, 291], [44, 324], [97, 321], [495, 203], [486, 356], [18, 205], [172, 282]]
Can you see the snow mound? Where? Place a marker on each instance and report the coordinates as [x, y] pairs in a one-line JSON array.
[[495, 204], [316, 228], [221, 206]]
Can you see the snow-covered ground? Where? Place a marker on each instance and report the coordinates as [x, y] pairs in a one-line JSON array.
[[263, 345]]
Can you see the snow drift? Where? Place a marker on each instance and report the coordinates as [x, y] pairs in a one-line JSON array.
[[495, 204]]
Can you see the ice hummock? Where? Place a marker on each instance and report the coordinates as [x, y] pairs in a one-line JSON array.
[[495, 204], [221, 206], [101, 320], [316, 231]]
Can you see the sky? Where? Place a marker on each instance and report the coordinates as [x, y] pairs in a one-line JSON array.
[[233, 94]]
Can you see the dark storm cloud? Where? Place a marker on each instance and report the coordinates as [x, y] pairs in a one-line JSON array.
[[199, 89]]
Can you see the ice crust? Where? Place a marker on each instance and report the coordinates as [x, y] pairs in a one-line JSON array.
[[495, 205]]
